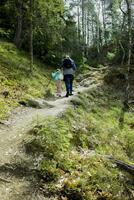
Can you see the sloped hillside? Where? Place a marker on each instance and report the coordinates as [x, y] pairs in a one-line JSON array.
[[16, 82], [86, 153]]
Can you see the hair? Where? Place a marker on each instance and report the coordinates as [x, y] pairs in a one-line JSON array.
[[67, 56]]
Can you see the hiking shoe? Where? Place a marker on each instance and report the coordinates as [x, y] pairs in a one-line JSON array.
[[58, 95], [70, 94], [67, 95]]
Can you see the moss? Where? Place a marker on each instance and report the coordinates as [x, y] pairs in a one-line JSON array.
[[79, 144], [3, 108], [15, 77]]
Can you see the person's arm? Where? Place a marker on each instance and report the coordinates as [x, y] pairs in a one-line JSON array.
[[62, 64], [74, 65]]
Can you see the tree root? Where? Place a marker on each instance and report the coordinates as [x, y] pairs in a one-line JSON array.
[[4, 180]]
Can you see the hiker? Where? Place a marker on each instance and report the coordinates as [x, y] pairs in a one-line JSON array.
[[69, 69], [57, 77]]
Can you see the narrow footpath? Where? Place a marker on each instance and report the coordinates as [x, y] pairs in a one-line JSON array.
[[16, 180]]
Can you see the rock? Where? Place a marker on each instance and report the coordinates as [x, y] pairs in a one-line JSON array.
[[23, 103], [79, 78], [5, 93], [87, 82], [35, 103], [38, 103]]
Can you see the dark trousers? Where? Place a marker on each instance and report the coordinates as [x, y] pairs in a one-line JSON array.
[[69, 83]]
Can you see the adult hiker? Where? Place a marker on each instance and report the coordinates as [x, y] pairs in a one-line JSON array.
[[69, 69], [57, 77]]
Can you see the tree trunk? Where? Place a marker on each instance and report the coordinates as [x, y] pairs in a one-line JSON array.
[[127, 90], [88, 27], [122, 29], [104, 23], [83, 28], [98, 29], [78, 13], [129, 12], [93, 33], [17, 39], [31, 36], [123, 51]]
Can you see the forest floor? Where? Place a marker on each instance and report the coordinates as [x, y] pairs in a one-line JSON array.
[[60, 151], [16, 177], [81, 132], [17, 180]]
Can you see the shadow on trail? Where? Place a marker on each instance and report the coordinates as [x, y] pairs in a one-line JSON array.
[[20, 167], [20, 170], [21, 176]]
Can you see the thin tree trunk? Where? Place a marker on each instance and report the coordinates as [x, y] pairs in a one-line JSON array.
[[88, 28], [98, 29], [127, 90], [100, 38], [17, 39], [83, 27], [78, 13], [122, 28], [123, 51], [93, 35], [104, 23], [128, 2], [31, 36]]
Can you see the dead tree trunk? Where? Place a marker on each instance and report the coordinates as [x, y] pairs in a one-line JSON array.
[[125, 166]]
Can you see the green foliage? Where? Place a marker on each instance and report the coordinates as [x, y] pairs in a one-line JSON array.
[[4, 33], [110, 56], [4, 108], [15, 78], [49, 94], [76, 148], [55, 140], [49, 170], [54, 31]]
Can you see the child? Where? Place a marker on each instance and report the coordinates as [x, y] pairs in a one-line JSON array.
[[57, 77]]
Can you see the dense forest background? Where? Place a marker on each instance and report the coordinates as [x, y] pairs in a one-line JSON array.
[[92, 32], [89, 30]]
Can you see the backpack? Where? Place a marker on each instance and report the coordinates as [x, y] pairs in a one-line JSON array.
[[57, 76], [67, 63]]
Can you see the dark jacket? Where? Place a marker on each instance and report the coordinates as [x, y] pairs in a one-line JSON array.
[[67, 71]]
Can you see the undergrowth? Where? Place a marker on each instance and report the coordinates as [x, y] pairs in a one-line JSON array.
[[16, 81], [77, 146]]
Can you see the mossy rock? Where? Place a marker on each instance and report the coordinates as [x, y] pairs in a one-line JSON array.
[[36, 103]]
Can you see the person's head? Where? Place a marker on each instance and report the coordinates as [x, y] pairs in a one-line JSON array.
[[58, 70], [67, 56]]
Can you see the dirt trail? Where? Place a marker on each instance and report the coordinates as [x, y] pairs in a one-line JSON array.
[[15, 175], [22, 120]]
